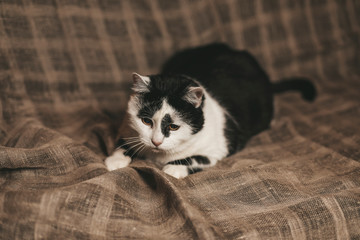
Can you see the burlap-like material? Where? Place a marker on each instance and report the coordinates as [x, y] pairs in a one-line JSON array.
[[64, 81]]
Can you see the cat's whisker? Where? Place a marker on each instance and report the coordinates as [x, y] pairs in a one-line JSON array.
[[133, 146], [130, 138], [123, 146], [129, 143], [126, 144], [138, 150], [134, 152], [130, 148], [141, 139], [142, 147]]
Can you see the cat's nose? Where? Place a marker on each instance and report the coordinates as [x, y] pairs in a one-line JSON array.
[[156, 143]]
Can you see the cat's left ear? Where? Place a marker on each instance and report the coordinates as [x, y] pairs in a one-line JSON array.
[[194, 96], [141, 83]]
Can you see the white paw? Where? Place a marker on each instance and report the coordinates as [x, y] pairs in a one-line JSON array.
[[117, 160], [177, 171]]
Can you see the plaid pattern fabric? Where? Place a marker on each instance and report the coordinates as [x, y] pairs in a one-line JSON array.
[[64, 83]]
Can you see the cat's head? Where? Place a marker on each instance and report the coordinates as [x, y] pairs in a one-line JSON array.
[[166, 110]]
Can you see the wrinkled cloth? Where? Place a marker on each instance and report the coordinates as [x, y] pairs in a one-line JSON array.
[[65, 77]]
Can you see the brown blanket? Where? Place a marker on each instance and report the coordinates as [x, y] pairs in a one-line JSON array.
[[64, 81]]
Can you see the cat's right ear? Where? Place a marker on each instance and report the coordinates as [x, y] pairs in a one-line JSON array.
[[141, 83]]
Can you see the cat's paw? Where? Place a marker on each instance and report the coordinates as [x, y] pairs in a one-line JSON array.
[[177, 171], [117, 160]]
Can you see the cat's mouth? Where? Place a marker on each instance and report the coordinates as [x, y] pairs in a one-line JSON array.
[[156, 150]]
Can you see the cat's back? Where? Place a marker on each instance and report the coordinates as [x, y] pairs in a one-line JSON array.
[[214, 60], [225, 72]]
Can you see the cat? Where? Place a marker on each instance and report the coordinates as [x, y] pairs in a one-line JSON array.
[[206, 103]]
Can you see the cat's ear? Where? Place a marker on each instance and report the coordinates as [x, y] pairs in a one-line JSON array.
[[141, 83], [194, 96]]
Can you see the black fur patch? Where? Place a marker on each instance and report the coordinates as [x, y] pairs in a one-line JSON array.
[[194, 170], [149, 106], [201, 159], [233, 137], [185, 162], [189, 161], [165, 122]]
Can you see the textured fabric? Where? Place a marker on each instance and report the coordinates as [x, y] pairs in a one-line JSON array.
[[65, 70]]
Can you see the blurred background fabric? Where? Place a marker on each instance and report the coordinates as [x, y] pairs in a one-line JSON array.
[[65, 76]]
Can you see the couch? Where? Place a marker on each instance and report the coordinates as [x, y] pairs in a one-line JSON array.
[[65, 77]]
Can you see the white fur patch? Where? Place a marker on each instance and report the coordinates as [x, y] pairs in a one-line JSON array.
[[117, 160]]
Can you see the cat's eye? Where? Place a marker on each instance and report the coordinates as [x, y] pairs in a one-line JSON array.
[[147, 121], [173, 127]]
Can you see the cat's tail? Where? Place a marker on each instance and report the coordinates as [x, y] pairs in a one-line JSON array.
[[303, 85]]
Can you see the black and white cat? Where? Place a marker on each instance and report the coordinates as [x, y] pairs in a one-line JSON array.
[[204, 106]]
